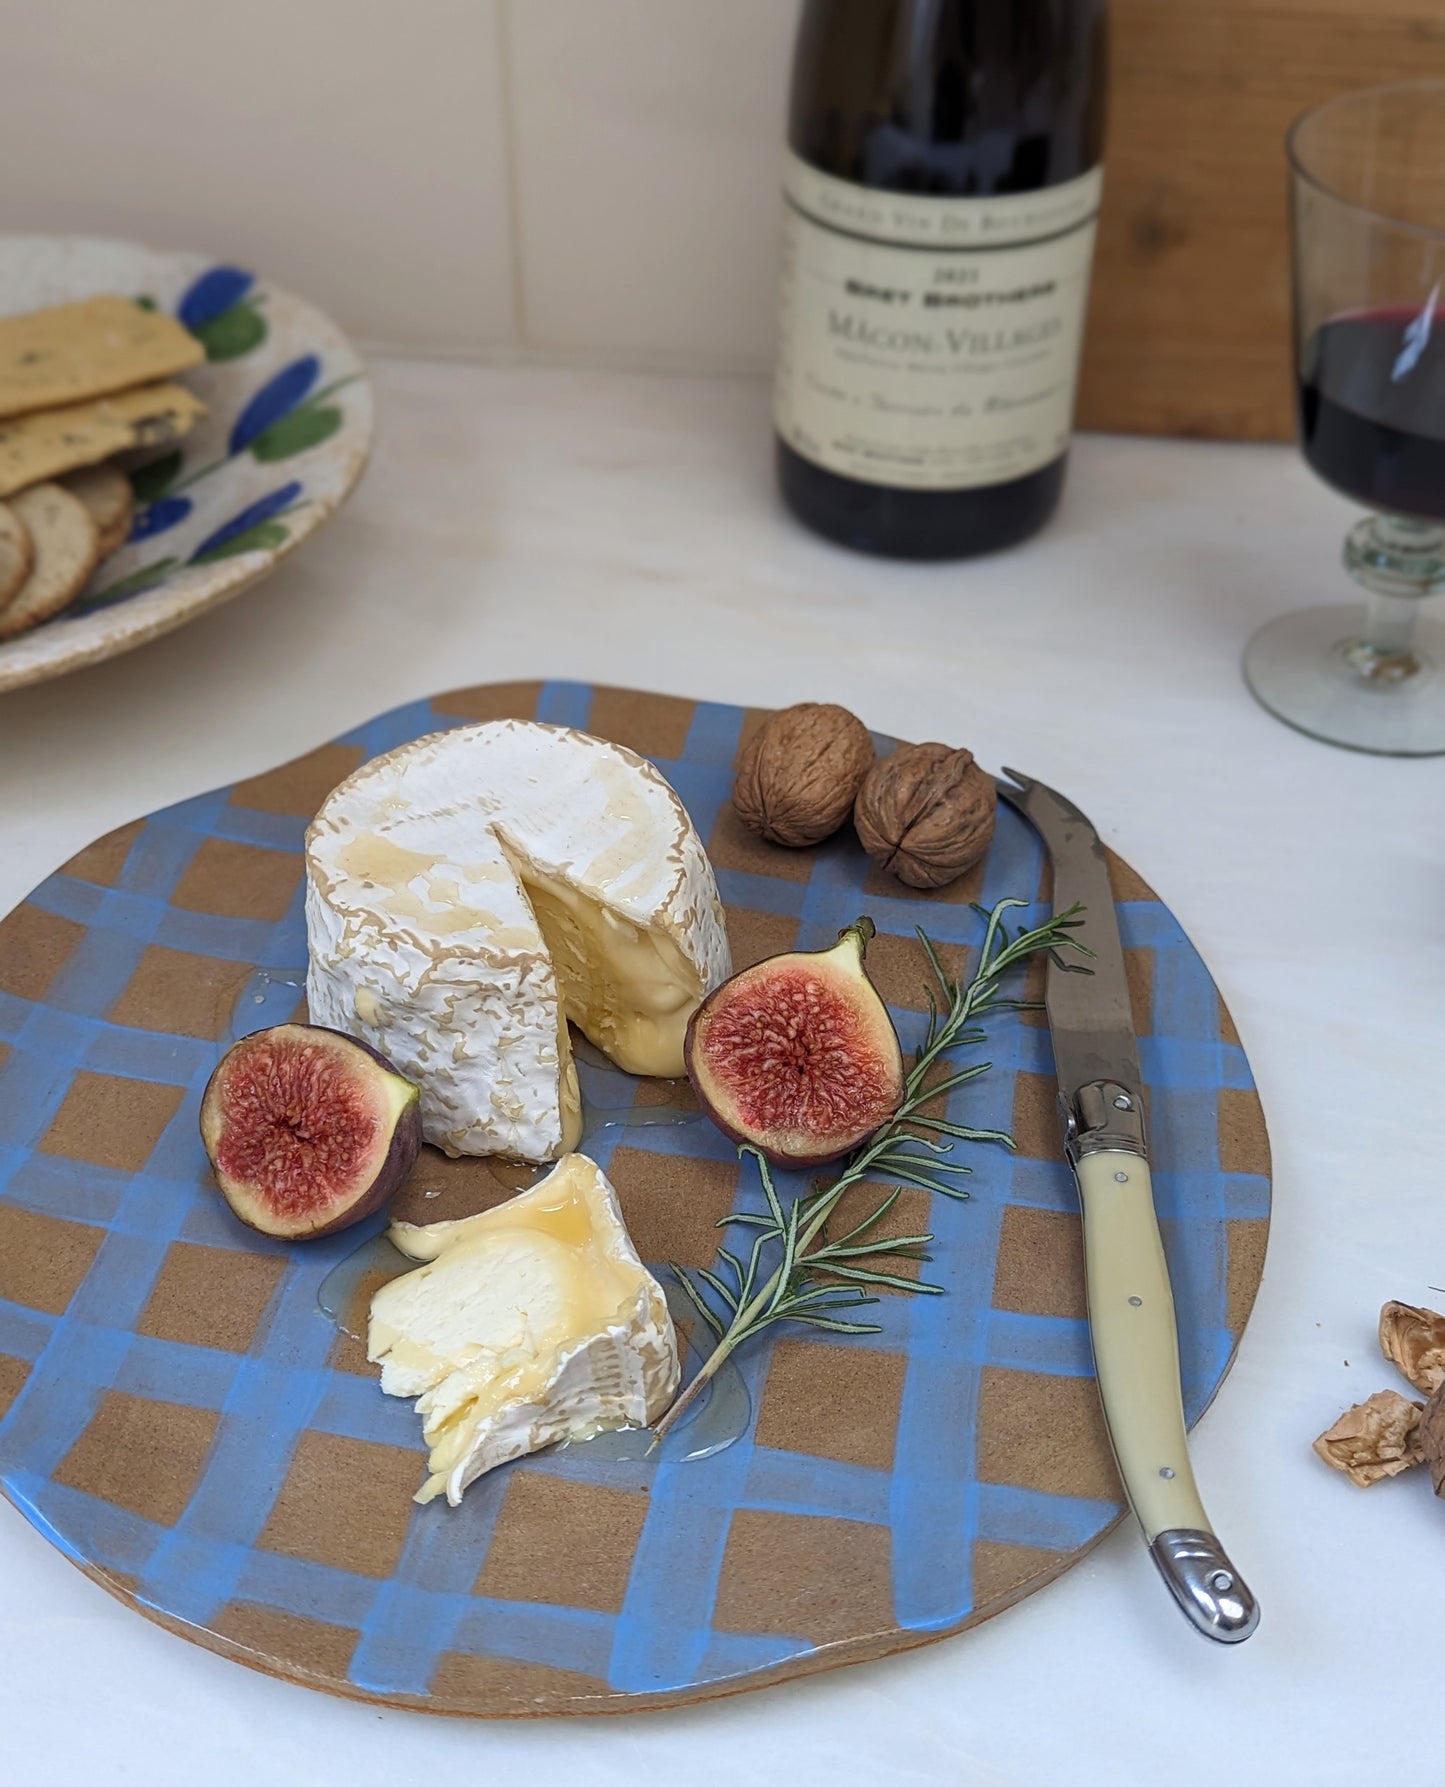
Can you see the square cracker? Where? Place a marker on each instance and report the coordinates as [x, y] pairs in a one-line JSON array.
[[36, 448], [87, 349]]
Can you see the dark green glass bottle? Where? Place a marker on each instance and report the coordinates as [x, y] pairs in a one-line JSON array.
[[943, 176]]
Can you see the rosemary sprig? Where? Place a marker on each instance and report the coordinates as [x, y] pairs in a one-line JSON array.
[[822, 1280]]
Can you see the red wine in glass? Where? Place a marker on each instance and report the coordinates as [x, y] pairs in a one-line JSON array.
[[1372, 407]]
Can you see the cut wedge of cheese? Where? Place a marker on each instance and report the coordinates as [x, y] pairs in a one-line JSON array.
[[531, 1323], [471, 892]]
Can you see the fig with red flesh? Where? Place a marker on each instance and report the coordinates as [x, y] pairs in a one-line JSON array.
[[797, 1055], [309, 1131]]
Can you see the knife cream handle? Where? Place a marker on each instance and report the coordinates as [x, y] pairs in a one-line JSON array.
[[1136, 1357]]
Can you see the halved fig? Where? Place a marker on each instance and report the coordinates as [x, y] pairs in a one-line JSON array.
[[797, 1055], [308, 1130]]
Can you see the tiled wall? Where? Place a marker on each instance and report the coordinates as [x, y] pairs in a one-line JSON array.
[[585, 178]]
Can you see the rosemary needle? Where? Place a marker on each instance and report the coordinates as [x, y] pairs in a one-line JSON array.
[[794, 1270]]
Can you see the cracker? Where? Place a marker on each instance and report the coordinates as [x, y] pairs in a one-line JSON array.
[[34, 448], [87, 349], [16, 553], [67, 550], [105, 491]]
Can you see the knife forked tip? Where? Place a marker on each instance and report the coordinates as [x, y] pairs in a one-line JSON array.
[[1021, 781]]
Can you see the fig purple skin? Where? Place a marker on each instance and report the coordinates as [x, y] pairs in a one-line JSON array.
[[797, 1056], [308, 1130]]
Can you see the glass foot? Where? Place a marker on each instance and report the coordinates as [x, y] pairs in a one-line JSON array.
[[1312, 670]]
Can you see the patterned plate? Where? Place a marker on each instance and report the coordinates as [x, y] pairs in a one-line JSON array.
[[286, 438], [180, 1418]]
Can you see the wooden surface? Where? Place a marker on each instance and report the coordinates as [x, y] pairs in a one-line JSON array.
[[1189, 324]]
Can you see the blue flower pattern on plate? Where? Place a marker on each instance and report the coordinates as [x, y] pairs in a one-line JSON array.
[[276, 398], [209, 297], [156, 517], [267, 508], [212, 293]]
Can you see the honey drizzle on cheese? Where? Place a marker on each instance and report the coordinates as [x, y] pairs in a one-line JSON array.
[[628, 988], [380, 862], [449, 1323]]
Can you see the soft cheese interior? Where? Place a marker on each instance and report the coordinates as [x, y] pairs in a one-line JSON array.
[[628, 988], [470, 893], [531, 1323]]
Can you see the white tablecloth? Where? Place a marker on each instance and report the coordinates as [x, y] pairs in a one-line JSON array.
[[523, 522]]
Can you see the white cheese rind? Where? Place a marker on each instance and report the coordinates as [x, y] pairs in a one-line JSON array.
[[529, 1324], [425, 944]]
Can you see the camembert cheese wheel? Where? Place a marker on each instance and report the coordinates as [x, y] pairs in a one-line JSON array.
[[469, 893]]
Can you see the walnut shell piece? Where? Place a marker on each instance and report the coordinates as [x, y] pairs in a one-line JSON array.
[[926, 814], [1379, 1437], [1414, 1339], [799, 773], [1432, 1439]]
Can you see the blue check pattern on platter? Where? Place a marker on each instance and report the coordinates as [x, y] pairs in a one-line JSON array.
[[784, 1553]]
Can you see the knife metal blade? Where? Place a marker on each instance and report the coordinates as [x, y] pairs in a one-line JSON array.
[[1131, 1305], [1091, 1024]]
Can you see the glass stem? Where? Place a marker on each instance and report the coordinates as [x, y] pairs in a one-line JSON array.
[[1390, 625], [1399, 562]]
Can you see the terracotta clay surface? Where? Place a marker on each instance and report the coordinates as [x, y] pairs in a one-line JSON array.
[[178, 1414]]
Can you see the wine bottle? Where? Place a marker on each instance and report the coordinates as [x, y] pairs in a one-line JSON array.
[[941, 185]]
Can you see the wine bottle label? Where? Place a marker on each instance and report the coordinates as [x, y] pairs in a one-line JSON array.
[[931, 343]]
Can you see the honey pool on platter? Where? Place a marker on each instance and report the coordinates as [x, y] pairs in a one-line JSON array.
[[180, 1415]]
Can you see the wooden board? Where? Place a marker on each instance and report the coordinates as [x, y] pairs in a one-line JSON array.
[[1189, 322], [184, 1421]]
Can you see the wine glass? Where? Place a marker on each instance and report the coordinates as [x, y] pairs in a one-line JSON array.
[[1368, 237]]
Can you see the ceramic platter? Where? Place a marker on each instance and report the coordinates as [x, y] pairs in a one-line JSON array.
[[285, 439], [182, 1419]]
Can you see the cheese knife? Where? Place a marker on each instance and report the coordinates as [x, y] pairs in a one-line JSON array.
[[1131, 1306]]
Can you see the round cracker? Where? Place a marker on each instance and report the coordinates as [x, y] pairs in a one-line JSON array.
[[67, 550], [16, 553], [105, 491]]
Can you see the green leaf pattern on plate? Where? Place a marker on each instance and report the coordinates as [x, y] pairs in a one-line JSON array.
[[146, 578], [150, 481], [305, 427], [235, 331], [261, 538]]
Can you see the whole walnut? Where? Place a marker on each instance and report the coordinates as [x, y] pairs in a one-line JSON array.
[[926, 814], [799, 773]]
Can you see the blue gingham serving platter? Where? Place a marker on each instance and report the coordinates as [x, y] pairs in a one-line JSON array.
[[181, 1416], [285, 439]]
